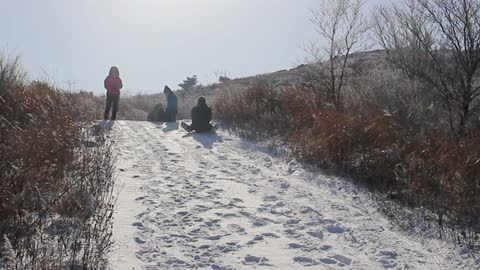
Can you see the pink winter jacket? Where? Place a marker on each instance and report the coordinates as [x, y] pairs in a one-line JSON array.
[[113, 83]]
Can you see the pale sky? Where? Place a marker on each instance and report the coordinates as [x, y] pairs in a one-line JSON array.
[[154, 42]]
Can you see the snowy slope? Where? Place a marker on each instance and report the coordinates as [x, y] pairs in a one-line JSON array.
[[214, 201]]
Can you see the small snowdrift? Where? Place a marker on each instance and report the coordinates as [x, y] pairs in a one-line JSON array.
[[214, 201]]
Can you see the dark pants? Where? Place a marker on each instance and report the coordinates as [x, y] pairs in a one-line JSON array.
[[111, 99], [166, 116], [191, 128]]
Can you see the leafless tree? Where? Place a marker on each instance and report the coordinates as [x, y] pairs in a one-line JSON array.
[[342, 26], [438, 42]]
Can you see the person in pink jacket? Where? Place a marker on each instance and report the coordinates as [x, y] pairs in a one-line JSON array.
[[113, 84]]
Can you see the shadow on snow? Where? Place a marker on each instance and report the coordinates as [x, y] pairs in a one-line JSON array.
[[206, 139], [166, 126]]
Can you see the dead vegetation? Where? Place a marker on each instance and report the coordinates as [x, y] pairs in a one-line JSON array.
[[56, 183], [406, 125], [426, 170]]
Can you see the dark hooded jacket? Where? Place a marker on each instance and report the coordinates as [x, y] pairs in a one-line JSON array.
[[201, 116], [172, 101]]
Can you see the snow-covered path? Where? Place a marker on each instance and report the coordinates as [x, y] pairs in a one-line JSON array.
[[214, 201]]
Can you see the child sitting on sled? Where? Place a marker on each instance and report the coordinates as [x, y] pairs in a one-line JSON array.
[[201, 117]]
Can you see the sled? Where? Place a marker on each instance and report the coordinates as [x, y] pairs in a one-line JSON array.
[[187, 128]]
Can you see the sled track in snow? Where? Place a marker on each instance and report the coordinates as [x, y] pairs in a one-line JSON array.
[[214, 201]]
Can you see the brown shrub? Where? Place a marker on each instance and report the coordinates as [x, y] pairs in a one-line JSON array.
[[55, 188], [263, 111], [431, 172]]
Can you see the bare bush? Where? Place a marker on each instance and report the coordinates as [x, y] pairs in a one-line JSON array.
[[56, 189], [342, 25], [425, 171], [437, 42], [407, 100], [86, 105]]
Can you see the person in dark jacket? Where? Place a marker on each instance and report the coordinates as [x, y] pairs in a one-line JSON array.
[[201, 117], [113, 84], [172, 105]]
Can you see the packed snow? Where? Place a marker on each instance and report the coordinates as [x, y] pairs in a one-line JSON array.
[[215, 201]]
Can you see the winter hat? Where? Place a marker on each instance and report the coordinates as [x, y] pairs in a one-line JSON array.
[[167, 89], [202, 101], [114, 72]]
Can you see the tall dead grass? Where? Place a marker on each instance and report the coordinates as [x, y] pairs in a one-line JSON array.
[[140, 106], [426, 170], [56, 198]]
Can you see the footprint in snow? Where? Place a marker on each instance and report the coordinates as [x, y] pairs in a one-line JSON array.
[[195, 231], [255, 240], [245, 214], [251, 260], [139, 241], [255, 171], [237, 200], [388, 259], [258, 238], [138, 225], [313, 223], [328, 221], [271, 198], [182, 213], [212, 223], [335, 229], [272, 235], [306, 210], [389, 254], [259, 223], [175, 262], [295, 246], [214, 237], [292, 222], [230, 215], [290, 232], [305, 261], [284, 185], [325, 247], [343, 259], [317, 234], [204, 247], [328, 261], [226, 249], [235, 228]]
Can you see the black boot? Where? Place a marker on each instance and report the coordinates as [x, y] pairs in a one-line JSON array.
[[186, 127]]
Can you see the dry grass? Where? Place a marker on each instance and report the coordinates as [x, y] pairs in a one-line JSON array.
[[428, 171], [56, 179], [140, 106]]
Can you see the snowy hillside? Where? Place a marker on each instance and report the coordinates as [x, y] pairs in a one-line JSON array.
[[214, 201]]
